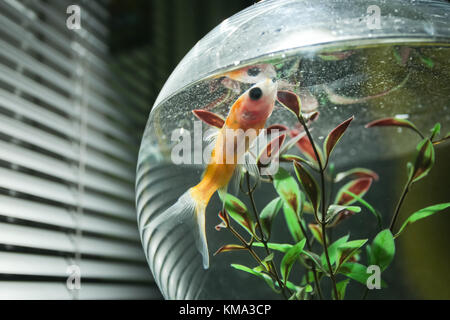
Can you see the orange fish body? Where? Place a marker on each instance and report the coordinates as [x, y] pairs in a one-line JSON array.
[[249, 112]]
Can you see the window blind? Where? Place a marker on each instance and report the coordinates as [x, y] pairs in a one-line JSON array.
[[70, 119]]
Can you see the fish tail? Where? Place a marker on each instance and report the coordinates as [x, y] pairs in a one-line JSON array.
[[187, 210]]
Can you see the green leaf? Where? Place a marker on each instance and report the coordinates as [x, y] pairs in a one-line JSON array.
[[334, 210], [292, 222], [423, 213], [289, 191], [245, 269], [300, 292], [357, 272], [333, 138], [347, 249], [290, 257], [309, 184], [370, 258], [282, 247], [333, 251], [424, 160], [367, 205], [341, 287], [316, 259], [382, 250], [316, 231], [237, 210], [258, 273], [268, 214], [427, 61], [435, 131]]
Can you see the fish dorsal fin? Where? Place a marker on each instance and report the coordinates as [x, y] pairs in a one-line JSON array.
[[210, 135]]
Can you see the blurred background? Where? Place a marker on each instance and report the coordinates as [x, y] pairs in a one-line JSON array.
[[73, 107]]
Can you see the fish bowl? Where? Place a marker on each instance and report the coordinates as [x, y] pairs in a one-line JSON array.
[[372, 82]]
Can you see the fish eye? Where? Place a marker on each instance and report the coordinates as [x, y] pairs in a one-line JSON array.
[[255, 93], [253, 72]]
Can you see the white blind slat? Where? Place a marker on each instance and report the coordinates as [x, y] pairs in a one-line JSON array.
[[68, 156]]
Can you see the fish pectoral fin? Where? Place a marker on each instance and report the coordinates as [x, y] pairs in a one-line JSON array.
[[211, 135], [233, 185], [251, 166]]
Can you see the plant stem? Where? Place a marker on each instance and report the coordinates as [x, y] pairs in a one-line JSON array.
[[324, 207], [263, 240], [313, 266], [399, 204]]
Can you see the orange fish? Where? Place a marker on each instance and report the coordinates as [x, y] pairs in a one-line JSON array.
[[249, 112], [251, 74]]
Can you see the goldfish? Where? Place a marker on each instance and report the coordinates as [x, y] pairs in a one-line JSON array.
[[249, 112], [250, 74]]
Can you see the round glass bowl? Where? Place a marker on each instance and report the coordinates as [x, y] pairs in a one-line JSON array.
[[367, 59]]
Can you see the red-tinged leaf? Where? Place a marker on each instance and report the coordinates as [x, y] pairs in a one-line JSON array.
[[230, 247], [335, 210], [334, 136], [348, 249], [220, 226], [424, 160], [316, 231], [305, 146], [313, 116], [209, 118], [289, 258], [291, 157], [393, 122], [276, 127], [270, 150], [309, 185], [341, 216], [237, 210], [224, 217], [358, 187], [290, 100], [356, 173]]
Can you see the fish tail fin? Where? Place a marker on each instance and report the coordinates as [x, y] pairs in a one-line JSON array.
[[200, 234], [189, 211]]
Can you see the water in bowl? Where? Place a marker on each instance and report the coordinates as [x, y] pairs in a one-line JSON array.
[[407, 81]]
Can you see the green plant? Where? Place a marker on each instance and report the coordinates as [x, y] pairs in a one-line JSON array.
[[310, 193]]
